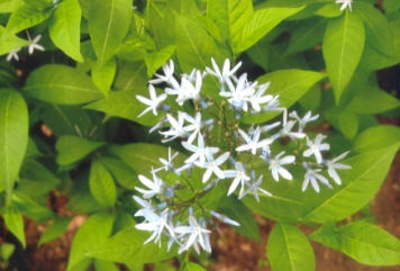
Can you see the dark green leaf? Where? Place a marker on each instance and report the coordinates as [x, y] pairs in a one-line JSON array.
[[102, 185], [72, 149]]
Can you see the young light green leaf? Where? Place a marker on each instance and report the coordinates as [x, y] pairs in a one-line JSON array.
[[9, 42], [342, 48], [288, 249], [193, 267], [127, 247], [8, 6], [103, 76], [347, 123], [31, 208], [72, 149], [27, 16], [377, 137], [362, 241], [290, 85], [54, 230], [13, 137], [100, 265], [156, 59], [90, 236], [358, 187], [64, 28], [108, 25], [260, 24], [61, 84], [15, 223], [102, 185], [372, 100]]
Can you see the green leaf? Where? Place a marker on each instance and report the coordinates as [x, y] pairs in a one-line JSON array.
[[54, 230], [122, 173], [290, 85], [236, 210], [103, 76], [359, 185], [194, 46], [372, 100], [72, 149], [27, 16], [193, 267], [156, 59], [64, 28], [261, 23], [100, 265], [9, 42], [90, 236], [230, 16], [31, 208], [306, 35], [342, 48], [108, 25], [102, 185], [362, 241], [288, 249], [13, 137], [8, 6], [61, 84], [347, 123], [15, 223], [381, 136], [127, 247]]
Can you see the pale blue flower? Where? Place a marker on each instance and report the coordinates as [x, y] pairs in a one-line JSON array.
[[315, 148], [252, 144], [193, 235], [155, 186], [239, 176], [275, 165], [212, 165], [333, 165], [153, 103]]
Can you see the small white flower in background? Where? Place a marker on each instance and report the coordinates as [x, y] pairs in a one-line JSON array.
[[13, 54], [333, 165], [256, 100], [155, 186], [199, 151], [212, 165], [287, 128], [345, 4], [306, 119], [254, 143], [187, 91], [226, 72], [176, 129], [195, 125], [315, 148], [196, 234], [156, 226], [254, 187], [168, 76], [147, 211], [167, 164], [225, 219], [312, 176], [153, 103], [34, 44], [275, 165], [239, 95], [239, 176]]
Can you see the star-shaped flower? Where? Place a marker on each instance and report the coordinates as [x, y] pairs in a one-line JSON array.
[[312, 176], [316, 147], [303, 121], [153, 103], [212, 165], [199, 151], [275, 165], [333, 165], [13, 54], [345, 4], [197, 234], [34, 44], [252, 144], [239, 176], [155, 186], [254, 186], [226, 71]]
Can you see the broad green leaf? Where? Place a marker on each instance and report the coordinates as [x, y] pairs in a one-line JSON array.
[[103, 76], [236, 210], [377, 137], [90, 236], [64, 28], [347, 123], [131, 76], [391, 5], [230, 16], [108, 25], [9, 42], [122, 173], [13, 137], [156, 59], [290, 85], [27, 16], [54, 230], [362, 241], [35, 211], [261, 23], [72, 149], [288, 249], [8, 6], [372, 100], [100, 265], [342, 48], [36, 179], [193, 267], [124, 104], [377, 26], [359, 185], [15, 223], [127, 247], [306, 35], [102, 185], [61, 84], [194, 46]]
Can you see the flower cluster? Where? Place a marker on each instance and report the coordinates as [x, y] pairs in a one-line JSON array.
[[220, 148], [33, 45]]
